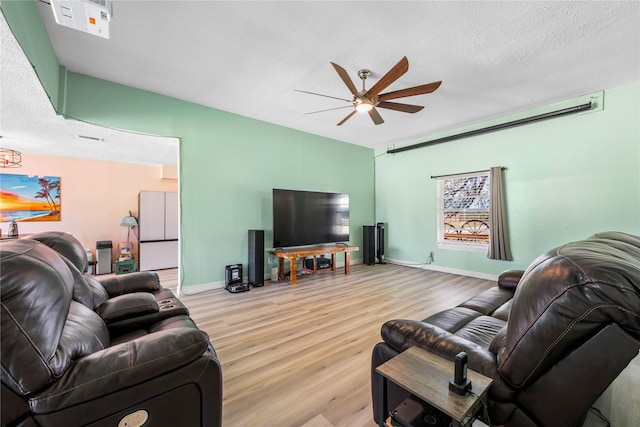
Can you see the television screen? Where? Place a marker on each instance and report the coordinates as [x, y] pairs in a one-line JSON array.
[[308, 218]]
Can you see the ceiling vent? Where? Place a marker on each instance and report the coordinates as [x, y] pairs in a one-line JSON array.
[[89, 16]]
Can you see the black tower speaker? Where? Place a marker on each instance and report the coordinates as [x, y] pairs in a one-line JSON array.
[[380, 252], [369, 244], [256, 257]]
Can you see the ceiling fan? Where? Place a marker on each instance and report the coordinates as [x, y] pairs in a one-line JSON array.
[[369, 100]]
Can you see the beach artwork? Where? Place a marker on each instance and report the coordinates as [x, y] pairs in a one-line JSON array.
[[29, 198]]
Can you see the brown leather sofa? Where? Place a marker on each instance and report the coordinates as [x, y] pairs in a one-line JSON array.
[[77, 351], [553, 337]]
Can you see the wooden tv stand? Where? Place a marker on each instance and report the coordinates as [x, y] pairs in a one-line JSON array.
[[293, 254]]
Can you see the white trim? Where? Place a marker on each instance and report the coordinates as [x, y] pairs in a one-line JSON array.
[[202, 287], [469, 247], [476, 274]]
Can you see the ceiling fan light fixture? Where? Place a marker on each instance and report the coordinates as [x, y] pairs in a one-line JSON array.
[[364, 106]]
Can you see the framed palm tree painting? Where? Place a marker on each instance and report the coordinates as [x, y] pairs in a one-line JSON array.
[[29, 198]]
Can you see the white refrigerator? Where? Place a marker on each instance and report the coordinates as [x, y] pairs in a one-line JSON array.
[[158, 230]]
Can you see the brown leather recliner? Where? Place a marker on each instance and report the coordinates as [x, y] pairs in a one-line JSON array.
[[571, 326], [62, 366], [125, 302]]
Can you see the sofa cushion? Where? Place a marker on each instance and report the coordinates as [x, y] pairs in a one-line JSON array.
[[503, 311], [82, 292], [83, 333], [481, 330], [488, 301], [98, 291], [452, 319], [498, 340]]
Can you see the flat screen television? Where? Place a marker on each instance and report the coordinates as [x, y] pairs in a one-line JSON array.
[[303, 218]]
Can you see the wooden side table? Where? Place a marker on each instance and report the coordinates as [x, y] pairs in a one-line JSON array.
[[426, 375]]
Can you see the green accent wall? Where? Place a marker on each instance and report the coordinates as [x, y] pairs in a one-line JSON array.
[[228, 166], [566, 178]]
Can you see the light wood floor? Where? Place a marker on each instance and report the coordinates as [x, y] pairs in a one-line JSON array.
[[300, 355]]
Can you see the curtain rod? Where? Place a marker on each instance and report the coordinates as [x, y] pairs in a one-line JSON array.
[[513, 123], [464, 173]]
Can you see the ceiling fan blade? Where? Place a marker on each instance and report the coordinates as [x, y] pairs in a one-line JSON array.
[[405, 108], [346, 118], [329, 109], [410, 91], [346, 79], [392, 75], [375, 116], [319, 94]]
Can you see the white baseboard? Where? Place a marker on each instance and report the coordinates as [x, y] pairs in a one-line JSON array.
[[199, 288], [433, 267]]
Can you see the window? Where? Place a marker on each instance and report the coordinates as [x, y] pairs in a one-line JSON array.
[[463, 211]]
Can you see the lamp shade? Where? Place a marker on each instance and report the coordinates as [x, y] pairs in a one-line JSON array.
[[129, 221]]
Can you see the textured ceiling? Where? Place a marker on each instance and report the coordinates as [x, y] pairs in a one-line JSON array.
[[28, 122], [494, 58]]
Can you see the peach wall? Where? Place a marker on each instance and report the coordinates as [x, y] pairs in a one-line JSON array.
[[95, 196]]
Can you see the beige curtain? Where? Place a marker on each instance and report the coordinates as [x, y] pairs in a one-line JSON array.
[[498, 234]]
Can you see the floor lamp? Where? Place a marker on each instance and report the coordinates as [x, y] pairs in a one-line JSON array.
[[129, 222]]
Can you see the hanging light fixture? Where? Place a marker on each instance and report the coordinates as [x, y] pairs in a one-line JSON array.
[[10, 158]]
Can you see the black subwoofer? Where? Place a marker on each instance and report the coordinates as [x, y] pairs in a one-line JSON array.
[[256, 257], [369, 244]]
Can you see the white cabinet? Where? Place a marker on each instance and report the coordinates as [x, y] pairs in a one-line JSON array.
[[151, 210], [158, 255], [171, 224], [158, 230]]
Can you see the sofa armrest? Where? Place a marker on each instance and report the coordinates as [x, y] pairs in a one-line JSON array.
[[127, 306], [141, 281], [509, 279], [122, 366]]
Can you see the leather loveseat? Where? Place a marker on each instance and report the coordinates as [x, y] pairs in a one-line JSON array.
[[553, 337], [65, 364]]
